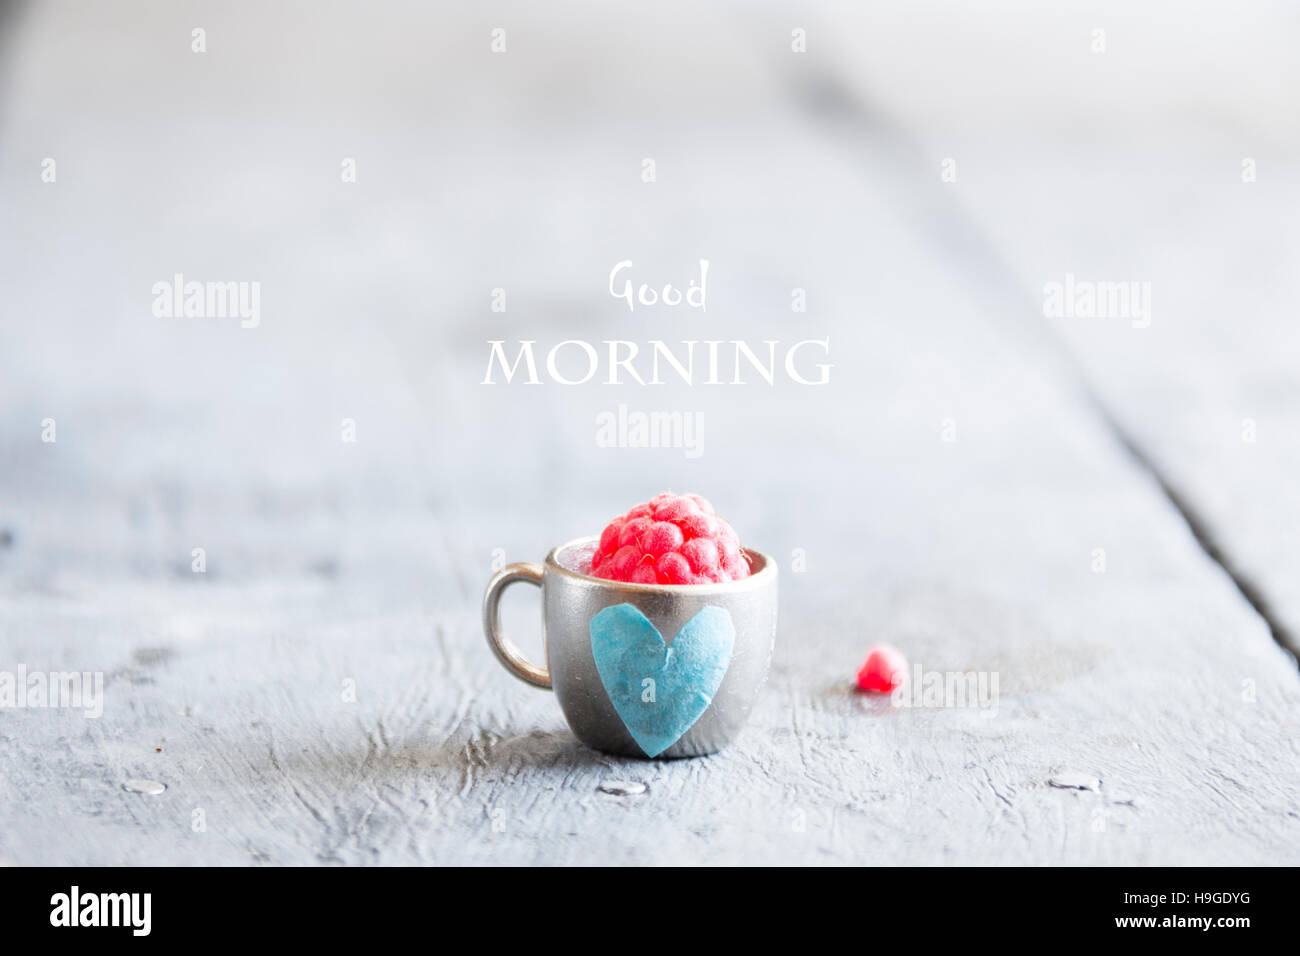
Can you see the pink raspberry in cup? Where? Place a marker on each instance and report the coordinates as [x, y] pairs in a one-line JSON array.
[[671, 539]]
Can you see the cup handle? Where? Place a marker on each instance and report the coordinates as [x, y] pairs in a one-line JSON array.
[[505, 650]]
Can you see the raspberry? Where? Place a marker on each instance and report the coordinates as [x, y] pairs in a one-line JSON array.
[[884, 669], [671, 539]]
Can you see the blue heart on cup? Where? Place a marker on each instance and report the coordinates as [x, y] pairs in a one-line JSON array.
[[658, 689]]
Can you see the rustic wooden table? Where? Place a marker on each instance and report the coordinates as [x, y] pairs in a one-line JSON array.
[[1096, 510]]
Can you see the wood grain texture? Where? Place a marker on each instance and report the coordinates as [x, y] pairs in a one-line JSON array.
[[334, 566], [1167, 165]]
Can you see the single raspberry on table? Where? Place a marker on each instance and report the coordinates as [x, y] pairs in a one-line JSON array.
[[884, 669], [671, 539]]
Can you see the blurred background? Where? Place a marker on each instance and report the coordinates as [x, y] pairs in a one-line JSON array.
[[918, 174]]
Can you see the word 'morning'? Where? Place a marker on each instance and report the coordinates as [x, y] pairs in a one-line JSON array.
[[734, 362]]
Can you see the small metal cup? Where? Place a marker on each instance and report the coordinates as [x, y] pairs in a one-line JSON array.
[[570, 602]]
